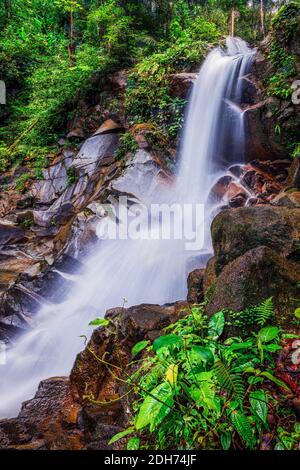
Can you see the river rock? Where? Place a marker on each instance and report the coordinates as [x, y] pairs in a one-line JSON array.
[[195, 286], [93, 151], [258, 274], [47, 422], [181, 83], [10, 235], [287, 199], [141, 172], [142, 322], [293, 179], [238, 230]]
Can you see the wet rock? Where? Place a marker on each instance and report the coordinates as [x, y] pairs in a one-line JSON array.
[[258, 274], [10, 235], [293, 178], [236, 231], [181, 83], [287, 199], [195, 286], [142, 322], [48, 421], [141, 172], [238, 201], [237, 170], [93, 151], [219, 189], [55, 181]]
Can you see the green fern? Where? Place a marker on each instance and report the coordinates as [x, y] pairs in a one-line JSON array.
[[264, 311], [232, 382], [242, 426]]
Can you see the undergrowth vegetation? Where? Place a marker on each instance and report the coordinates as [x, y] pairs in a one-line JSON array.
[[200, 387]]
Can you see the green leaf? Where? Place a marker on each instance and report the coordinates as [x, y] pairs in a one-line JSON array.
[[120, 435], [138, 347], [167, 341], [225, 440], [133, 443], [99, 322], [297, 312], [242, 345], [268, 333], [201, 354], [171, 374], [242, 426], [204, 395], [272, 347], [156, 406], [259, 404], [276, 381], [216, 324]]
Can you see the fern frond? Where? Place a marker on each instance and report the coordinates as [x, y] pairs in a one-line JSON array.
[[242, 426], [232, 382], [264, 311]]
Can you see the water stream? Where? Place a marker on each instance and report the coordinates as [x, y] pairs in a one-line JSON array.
[[141, 270]]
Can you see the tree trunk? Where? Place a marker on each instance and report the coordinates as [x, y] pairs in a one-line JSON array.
[[72, 43], [232, 22], [262, 20]]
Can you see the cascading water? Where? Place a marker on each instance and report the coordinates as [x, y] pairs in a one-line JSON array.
[[151, 270]]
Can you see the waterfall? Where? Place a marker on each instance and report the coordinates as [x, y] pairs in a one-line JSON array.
[[141, 270]]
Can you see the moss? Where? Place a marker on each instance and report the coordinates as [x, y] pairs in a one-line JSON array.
[[284, 28]]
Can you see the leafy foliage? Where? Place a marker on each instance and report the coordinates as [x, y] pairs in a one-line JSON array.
[[196, 390]]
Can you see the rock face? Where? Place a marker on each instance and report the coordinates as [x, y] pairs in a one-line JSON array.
[[181, 84], [237, 231], [256, 257], [273, 119], [258, 274], [86, 410]]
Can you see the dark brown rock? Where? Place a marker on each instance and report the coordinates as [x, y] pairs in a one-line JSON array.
[[48, 421], [90, 377], [181, 83], [255, 276], [236, 231], [195, 286]]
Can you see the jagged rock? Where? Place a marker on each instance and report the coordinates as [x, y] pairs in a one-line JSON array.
[[10, 235], [238, 201], [195, 286], [48, 421], [55, 181], [62, 415], [76, 133], [141, 172], [287, 199], [90, 377], [293, 179], [258, 274], [109, 126], [93, 151], [236, 231], [181, 83]]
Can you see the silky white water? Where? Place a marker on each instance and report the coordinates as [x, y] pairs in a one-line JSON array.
[[140, 270]]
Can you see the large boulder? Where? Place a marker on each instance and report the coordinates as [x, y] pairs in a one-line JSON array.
[[47, 422], [90, 377], [258, 274], [86, 410], [236, 231]]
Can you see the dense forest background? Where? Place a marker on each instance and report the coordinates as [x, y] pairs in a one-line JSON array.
[[53, 53]]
